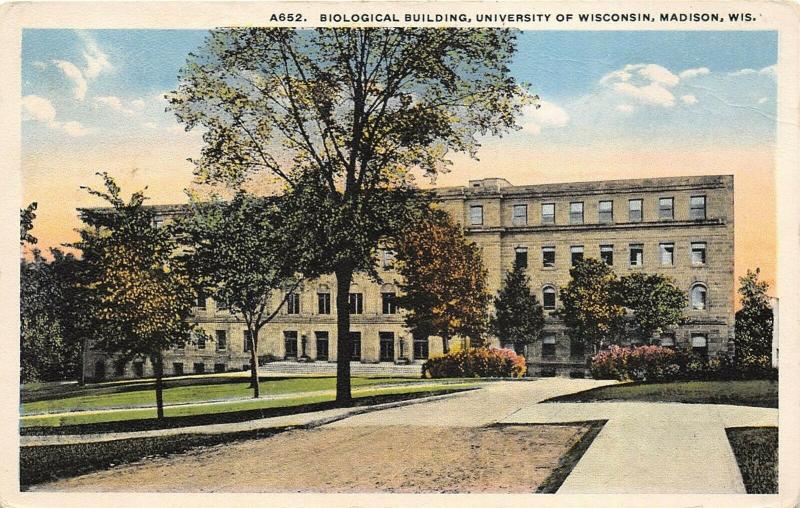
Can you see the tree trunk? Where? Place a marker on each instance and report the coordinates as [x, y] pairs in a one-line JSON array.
[[446, 342], [82, 375], [254, 364], [344, 347], [158, 368]]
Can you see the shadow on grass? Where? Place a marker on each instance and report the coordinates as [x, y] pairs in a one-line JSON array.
[[756, 451]]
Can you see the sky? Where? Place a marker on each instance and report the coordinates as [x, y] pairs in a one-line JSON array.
[[614, 104]]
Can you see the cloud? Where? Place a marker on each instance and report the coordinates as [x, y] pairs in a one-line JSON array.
[[692, 73], [72, 72], [96, 60], [653, 93], [114, 103], [149, 125], [138, 104], [763, 100], [770, 70], [548, 115], [647, 83], [625, 108], [689, 99], [41, 110], [39, 64]]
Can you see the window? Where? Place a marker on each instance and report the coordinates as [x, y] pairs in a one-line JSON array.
[[199, 368], [666, 208], [548, 257], [476, 215], [222, 340], [322, 345], [637, 254], [700, 345], [200, 299], [293, 303], [387, 259], [420, 348], [119, 369], [247, 345], [521, 257], [290, 344], [138, 369], [519, 215], [549, 298], [548, 213], [605, 211], [667, 339], [607, 254], [576, 348], [389, 303], [201, 341], [576, 254], [698, 253], [667, 253], [356, 303], [221, 305], [324, 303], [697, 207], [219, 367], [576, 213], [548, 345], [355, 342], [177, 369], [635, 210], [698, 297], [387, 346], [179, 346]]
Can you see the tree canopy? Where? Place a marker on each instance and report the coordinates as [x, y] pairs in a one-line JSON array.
[[654, 300], [754, 320], [518, 317]]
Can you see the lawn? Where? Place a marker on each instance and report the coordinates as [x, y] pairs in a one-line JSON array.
[[137, 394], [756, 450], [760, 393]]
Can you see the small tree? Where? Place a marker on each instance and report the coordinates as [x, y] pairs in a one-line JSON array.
[[26, 217], [590, 309], [518, 317], [754, 321], [144, 294], [237, 253], [444, 281], [654, 300]]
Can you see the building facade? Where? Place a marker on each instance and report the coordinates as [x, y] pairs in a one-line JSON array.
[[679, 227]]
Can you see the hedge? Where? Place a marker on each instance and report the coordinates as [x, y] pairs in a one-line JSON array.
[[475, 362]]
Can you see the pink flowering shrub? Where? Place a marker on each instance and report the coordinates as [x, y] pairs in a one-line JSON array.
[[643, 363], [476, 362]]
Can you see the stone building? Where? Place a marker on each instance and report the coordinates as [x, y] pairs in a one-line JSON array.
[[681, 227]]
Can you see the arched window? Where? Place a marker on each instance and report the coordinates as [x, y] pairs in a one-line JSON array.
[[549, 298], [698, 297]]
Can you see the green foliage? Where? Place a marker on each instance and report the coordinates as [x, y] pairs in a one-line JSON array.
[[26, 218], [756, 451], [657, 304], [518, 317], [754, 320], [589, 304], [444, 286], [475, 362]]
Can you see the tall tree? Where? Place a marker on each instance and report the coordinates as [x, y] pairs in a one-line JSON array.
[[144, 294], [26, 218], [444, 286], [589, 306], [754, 320], [518, 317], [237, 253], [655, 301], [342, 116]]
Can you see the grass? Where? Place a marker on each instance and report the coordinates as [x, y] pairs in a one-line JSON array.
[[760, 393], [39, 464], [126, 420], [188, 390], [568, 461], [756, 451]]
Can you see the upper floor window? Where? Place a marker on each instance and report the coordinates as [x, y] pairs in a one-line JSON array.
[[667, 253], [666, 208], [200, 299], [389, 304], [697, 207], [221, 304], [636, 254], [576, 213], [201, 341], [248, 345], [548, 213], [698, 253], [222, 340], [698, 295], [607, 254], [635, 210], [521, 257], [576, 254], [519, 216], [548, 257], [356, 303], [387, 259], [323, 302], [549, 298], [293, 303], [605, 211], [476, 215]]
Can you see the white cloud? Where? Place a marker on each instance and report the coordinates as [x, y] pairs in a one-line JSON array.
[[72, 72], [692, 73], [656, 74], [548, 115], [763, 100], [138, 104], [689, 99], [96, 60], [39, 64], [769, 70], [653, 93], [647, 83], [149, 125], [75, 129], [41, 110], [114, 103], [625, 108]]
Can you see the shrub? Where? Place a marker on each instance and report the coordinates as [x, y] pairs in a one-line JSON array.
[[475, 362]]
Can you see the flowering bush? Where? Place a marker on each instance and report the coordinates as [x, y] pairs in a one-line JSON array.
[[476, 362]]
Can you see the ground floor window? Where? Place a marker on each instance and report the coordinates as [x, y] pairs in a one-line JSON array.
[[219, 367], [548, 345], [247, 345], [387, 346], [700, 345], [576, 348], [667, 339], [290, 343], [199, 368], [138, 369], [355, 342], [421, 348], [322, 345], [100, 370], [119, 369], [177, 369]]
